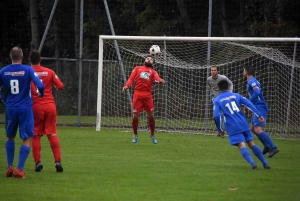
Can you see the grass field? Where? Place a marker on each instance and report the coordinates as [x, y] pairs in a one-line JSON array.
[[107, 166]]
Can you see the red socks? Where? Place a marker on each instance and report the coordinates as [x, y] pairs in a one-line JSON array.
[[135, 124], [54, 143], [36, 149], [151, 123]]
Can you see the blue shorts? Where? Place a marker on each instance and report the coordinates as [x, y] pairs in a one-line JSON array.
[[21, 117], [255, 121], [240, 137]]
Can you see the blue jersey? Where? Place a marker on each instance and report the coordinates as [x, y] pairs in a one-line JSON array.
[[16, 79], [255, 95], [229, 104]]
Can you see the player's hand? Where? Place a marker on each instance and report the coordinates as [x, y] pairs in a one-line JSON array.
[[124, 89], [261, 119], [162, 81]]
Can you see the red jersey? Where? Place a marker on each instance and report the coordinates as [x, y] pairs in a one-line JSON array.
[[49, 78], [143, 77]]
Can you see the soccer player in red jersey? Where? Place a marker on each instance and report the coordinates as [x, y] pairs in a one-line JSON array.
[[142, 77], [44, 110]]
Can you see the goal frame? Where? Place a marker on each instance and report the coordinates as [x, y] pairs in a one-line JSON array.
[[102, 39]]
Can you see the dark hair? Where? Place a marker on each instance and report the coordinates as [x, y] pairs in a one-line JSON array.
[[34, 57], [151, 57], [223, 85], [214, 67], [249, 70], [16, 53]]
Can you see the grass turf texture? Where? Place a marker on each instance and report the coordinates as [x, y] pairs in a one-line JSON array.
[[106, 165]]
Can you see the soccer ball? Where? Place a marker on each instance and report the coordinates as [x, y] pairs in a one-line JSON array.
[[154, 50]]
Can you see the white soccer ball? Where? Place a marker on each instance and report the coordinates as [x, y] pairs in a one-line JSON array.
[[154, 50]]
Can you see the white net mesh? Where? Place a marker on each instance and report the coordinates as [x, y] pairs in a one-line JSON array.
[[183, 105]]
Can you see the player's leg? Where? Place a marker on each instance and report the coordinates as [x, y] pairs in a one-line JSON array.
[[36, 152], [239, 140], [266, 138], [255, 149], [255, 122], [39, 114], [11, 131], [137, 107], [50, 131], [246, 155], [149, 107], [26, 124]]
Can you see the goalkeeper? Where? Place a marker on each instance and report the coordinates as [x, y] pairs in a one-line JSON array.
[[143, 77], [212, 82]]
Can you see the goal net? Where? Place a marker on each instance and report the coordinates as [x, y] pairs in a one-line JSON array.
[[183, 104]]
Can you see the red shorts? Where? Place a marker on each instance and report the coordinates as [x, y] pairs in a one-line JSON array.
[[44, 119], [141, 101]]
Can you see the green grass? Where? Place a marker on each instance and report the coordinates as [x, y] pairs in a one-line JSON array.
[[107, 166]]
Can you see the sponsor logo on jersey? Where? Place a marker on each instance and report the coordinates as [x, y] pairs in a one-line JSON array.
[[253, 84], [145, 75], [45, 73], [20, 73], [227, 98]]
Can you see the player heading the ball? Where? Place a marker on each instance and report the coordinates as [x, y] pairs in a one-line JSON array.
[[143, 77]]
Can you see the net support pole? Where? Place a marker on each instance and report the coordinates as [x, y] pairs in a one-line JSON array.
[[80, 64], [99, 88], [290, 92], [118, 51], [166, 85], [48, 25], [208, 69]]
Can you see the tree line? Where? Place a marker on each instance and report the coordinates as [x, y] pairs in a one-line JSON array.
[[23, 22]]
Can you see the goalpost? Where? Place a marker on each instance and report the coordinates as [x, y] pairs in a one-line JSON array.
[[183, 105]]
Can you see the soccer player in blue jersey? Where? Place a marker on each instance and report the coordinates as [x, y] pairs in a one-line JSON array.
[[258, 100], [15, 79], [229, 105]]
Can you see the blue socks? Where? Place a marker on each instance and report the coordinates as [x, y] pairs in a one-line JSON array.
[[10, 152], [265, 139], [23, 154], [262, 140], [246, 154], [258, 154]]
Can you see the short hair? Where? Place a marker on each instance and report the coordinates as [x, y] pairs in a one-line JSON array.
[[223, 85], [34, 57], [214, 67], [249, 70], [16, 53]]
